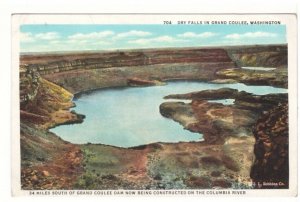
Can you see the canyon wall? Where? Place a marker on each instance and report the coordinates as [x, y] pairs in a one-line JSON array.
[[87, 71], [255, 56], [53, 63], [79, 72]]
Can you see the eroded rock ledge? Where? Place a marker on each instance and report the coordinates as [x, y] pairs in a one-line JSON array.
[[217, 121], [277, 77], [143, 82]]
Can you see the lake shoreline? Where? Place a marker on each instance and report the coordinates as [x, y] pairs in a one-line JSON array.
[[223, 164]]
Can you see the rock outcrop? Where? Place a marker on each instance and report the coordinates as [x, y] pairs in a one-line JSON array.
[[259, 56], [271, 165], [143, 82], [49, 106], [277, 77], [29, 84], [217, 121]]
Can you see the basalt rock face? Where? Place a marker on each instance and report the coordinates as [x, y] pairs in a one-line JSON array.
[[87, 71], [77, 81], [29, 85], [53, 63], [111, 69], [259, 56], [47, 104], [271, 166], [277, 77]]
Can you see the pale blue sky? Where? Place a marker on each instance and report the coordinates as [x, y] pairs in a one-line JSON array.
[[45, 38]]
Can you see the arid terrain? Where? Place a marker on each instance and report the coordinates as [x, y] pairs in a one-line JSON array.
[[244, 143]]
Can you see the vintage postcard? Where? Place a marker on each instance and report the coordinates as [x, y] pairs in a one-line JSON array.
[[154, 105]]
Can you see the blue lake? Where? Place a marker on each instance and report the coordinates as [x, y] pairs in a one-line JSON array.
[[129, 116]]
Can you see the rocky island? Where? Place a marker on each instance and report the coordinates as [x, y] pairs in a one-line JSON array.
[[244, 143]]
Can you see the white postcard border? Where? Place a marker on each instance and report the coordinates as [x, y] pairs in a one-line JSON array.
[[288, 19]]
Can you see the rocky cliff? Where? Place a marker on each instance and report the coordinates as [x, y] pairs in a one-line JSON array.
[[277, 77], [271, 165], [47, 162], [48, 106], [259, 56], [53, 63], [29, 85], [108, 69]]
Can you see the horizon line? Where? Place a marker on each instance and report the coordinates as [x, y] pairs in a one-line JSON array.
[[145, 49]]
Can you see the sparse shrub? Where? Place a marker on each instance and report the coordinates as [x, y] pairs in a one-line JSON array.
[[194, 164], [215, 173], [230, 163], [221, 183], [157, 177], [211, 160], [109, 177], [199, 182]]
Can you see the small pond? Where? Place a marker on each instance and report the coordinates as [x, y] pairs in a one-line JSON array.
[[259, 68]]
